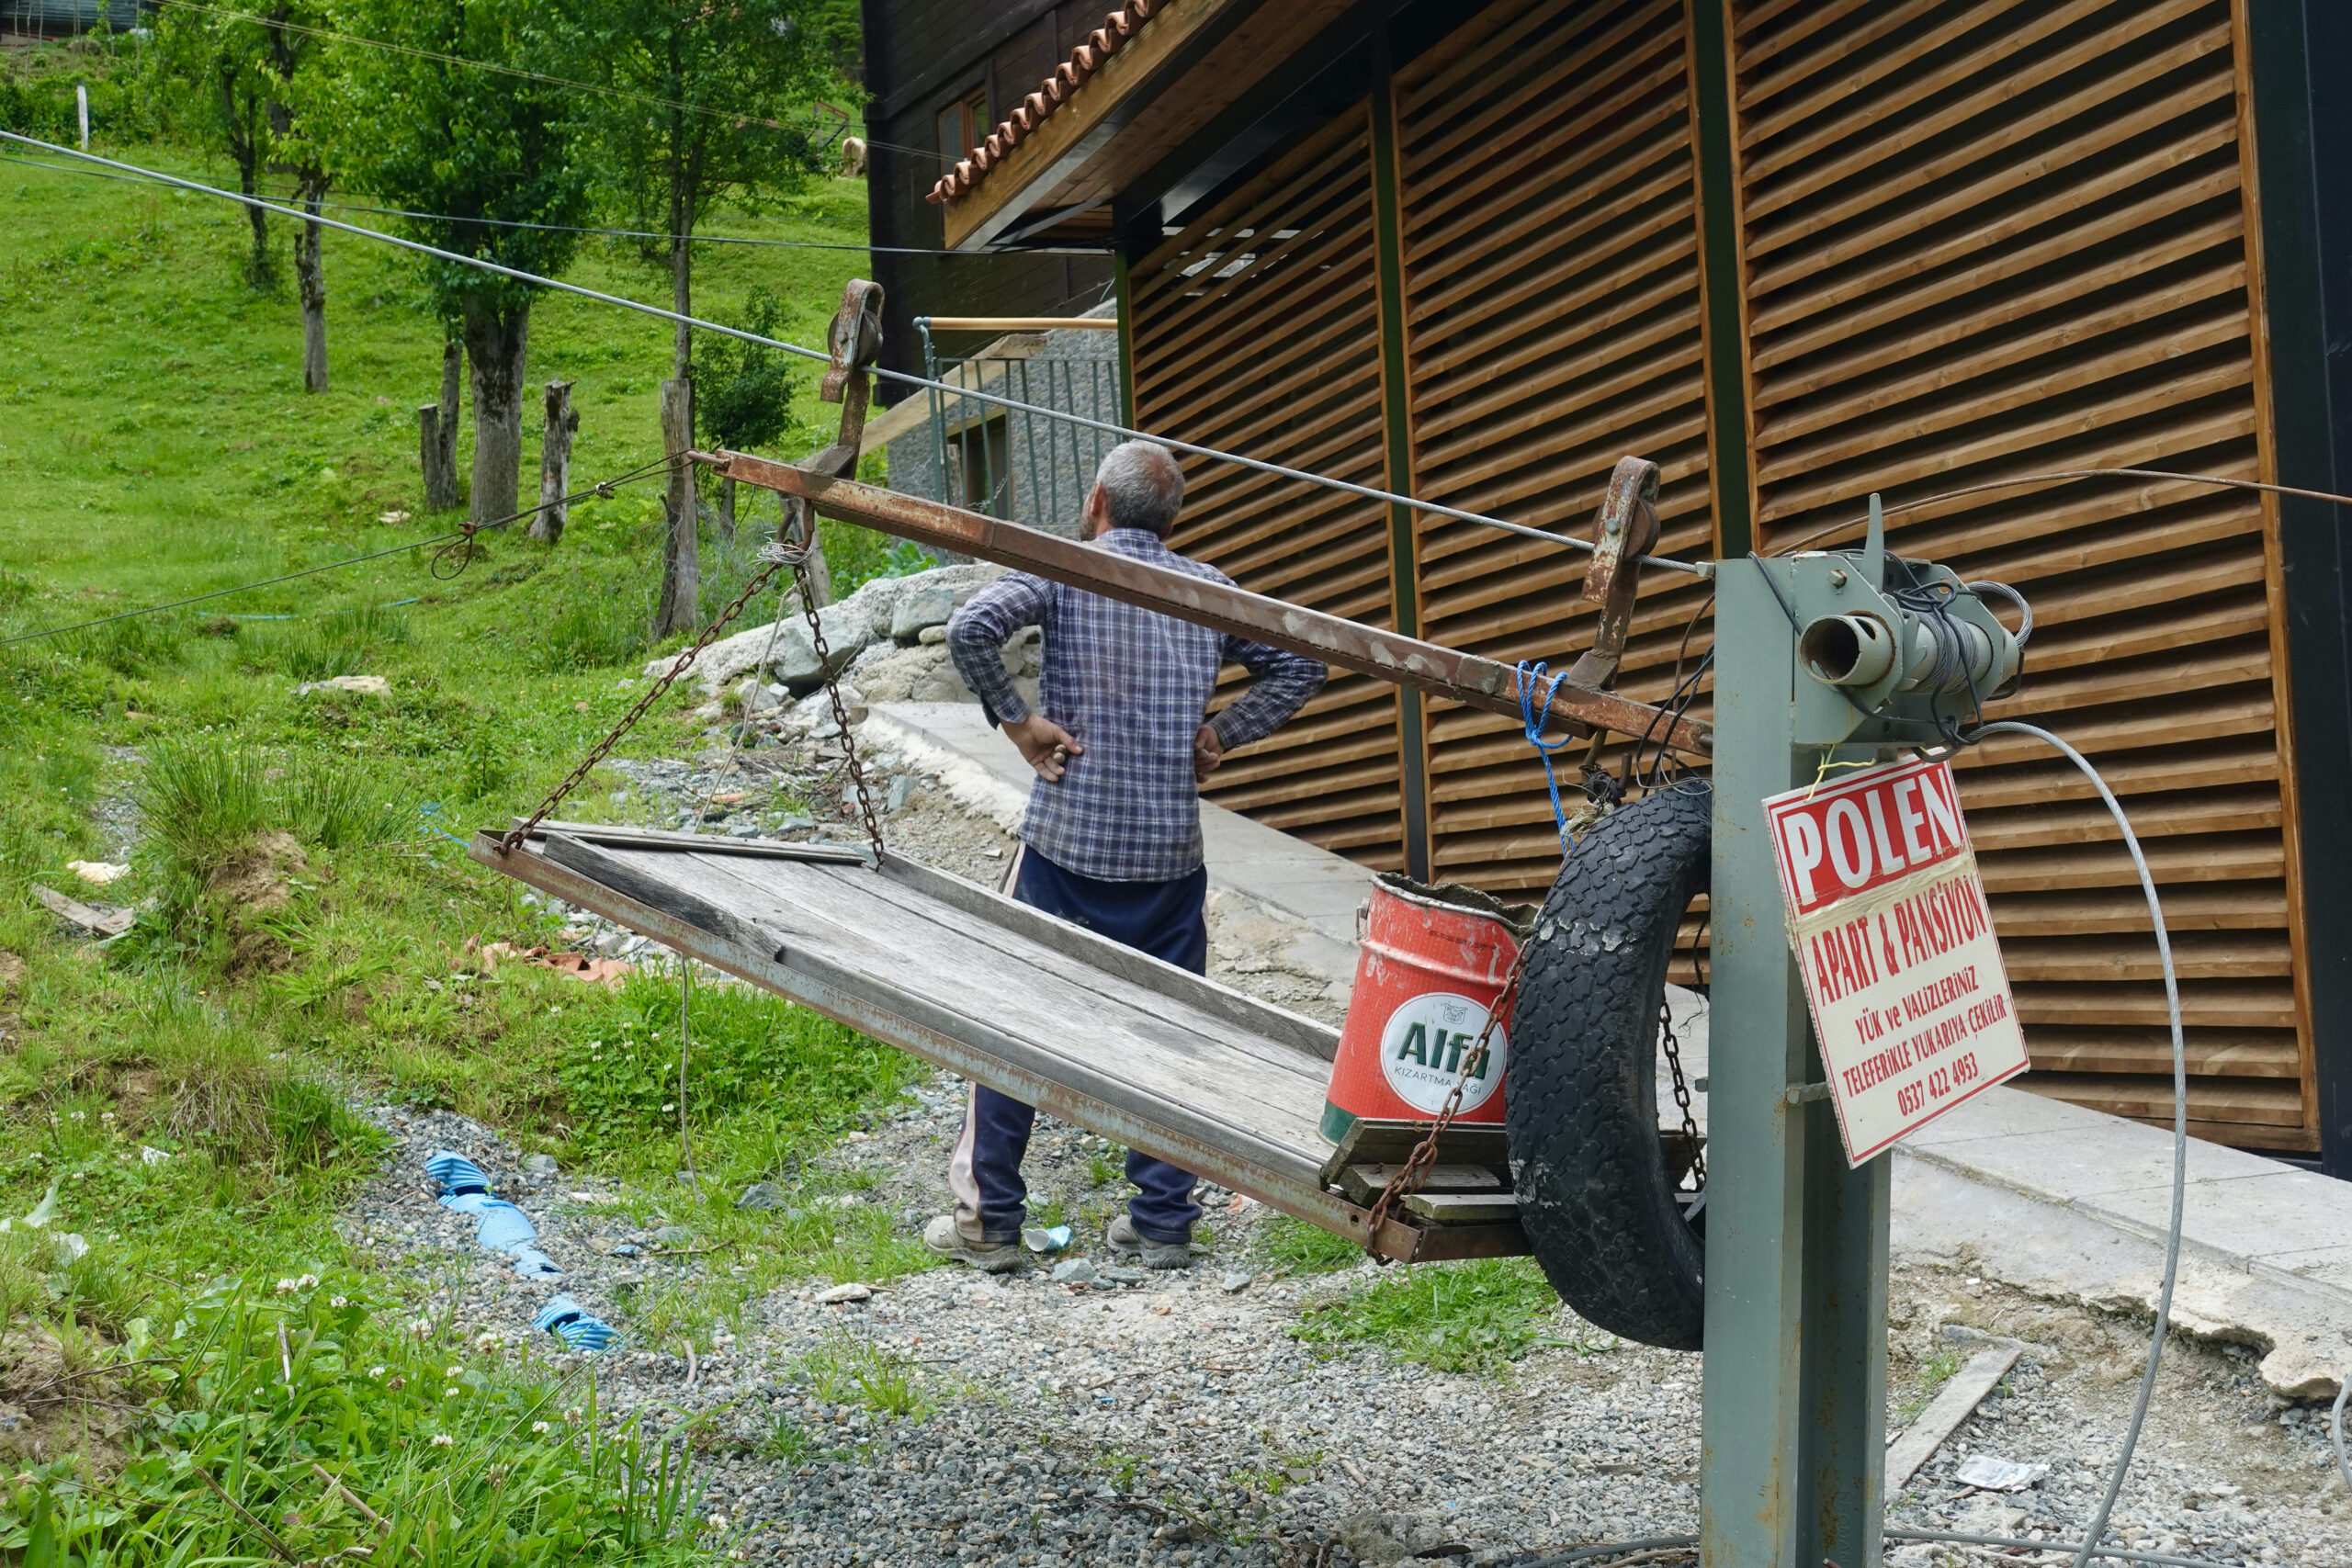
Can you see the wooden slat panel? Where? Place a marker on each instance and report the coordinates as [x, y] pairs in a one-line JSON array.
[[1553, 324], [1254, 331], [1994, 239]]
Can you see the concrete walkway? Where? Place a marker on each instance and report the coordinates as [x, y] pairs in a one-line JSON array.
[[2051, 1197]]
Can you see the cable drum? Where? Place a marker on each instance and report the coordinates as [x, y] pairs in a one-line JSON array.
[[1596, 1195]]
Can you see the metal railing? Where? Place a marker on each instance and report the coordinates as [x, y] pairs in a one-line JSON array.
[[1007, 462]]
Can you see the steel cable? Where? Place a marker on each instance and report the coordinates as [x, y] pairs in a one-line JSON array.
[[903, 377], [2180, 1118], [19, 160]]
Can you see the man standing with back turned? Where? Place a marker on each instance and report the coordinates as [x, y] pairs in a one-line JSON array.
[[1112, 837]]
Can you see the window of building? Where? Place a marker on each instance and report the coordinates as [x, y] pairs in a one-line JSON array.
[[962, 126]]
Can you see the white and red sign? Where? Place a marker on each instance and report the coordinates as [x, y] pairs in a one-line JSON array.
[[1887, 917]]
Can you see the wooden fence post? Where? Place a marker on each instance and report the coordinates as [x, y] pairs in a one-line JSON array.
[[681, 576], [436, 433], [555, 464]]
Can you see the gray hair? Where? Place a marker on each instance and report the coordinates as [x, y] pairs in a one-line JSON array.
[[1142, 485]]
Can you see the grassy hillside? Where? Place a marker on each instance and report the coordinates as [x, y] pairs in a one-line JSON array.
[[179, 1094]]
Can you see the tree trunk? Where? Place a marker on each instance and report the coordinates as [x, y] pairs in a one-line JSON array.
[[433, 460], [681, 573], [555, 464], [682, 298], [453, 381], [245, 153], [496, 343], [311, 279]]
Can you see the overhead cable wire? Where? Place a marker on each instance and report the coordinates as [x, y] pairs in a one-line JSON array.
[[2060, 475], [416, 51], [903, 377], [461, 534], [20, 161]]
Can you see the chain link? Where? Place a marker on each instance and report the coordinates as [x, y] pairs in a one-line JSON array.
[[1424, 1158], [841, 717], [1681, 1092], [602, 749]]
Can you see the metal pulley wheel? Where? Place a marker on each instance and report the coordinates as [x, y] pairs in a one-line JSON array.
[[1597, 1188]]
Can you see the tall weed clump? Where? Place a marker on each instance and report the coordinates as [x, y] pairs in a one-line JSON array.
[[205, 803], [341, 643], [309, 1417]]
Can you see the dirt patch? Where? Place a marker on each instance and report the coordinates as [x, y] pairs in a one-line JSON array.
[[260, 878], [55, 1400], [12, 974]]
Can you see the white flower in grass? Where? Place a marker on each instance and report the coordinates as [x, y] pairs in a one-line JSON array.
[[375, 1371], [421, 1329], [718, 1521], [451, 1392], [307, 1282], [572, 1415], [338, 1302], [488, 1341], [442, 1441], [454, 1374], [284, 1286], [540, 1429]]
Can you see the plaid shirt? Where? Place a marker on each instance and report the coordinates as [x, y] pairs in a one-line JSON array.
[[1133, 687]]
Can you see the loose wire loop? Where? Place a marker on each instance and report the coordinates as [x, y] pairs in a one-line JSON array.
[[462, 549]]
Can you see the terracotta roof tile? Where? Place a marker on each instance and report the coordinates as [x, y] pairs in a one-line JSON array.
[[1031, 112]]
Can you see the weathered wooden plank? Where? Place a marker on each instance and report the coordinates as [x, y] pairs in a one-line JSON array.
[[1365, 1183], [1464, 1208], [1379, 1140]]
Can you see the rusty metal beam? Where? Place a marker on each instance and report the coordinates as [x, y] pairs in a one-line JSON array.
[[1389, 656]]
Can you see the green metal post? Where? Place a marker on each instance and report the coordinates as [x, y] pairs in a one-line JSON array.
[[1794, 1447]]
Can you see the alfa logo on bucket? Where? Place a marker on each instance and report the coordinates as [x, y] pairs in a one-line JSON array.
[[1423, 1048]]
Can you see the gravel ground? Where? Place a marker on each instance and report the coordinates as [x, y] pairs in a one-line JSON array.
[[1163, 1418], [1172, 1419]]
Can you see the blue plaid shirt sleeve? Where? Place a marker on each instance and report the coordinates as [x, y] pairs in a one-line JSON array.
[[1280, 685], [976, 635]]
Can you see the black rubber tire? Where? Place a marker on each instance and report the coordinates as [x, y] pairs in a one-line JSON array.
[[1582, 1111]]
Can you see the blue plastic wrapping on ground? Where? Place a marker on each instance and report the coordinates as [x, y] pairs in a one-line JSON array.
[[573, 1324], [503, 1228]]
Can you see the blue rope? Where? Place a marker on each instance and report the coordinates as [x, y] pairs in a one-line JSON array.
[[1534, 724]]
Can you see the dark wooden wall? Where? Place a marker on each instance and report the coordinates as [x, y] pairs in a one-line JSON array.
[[1943, 245], [921, 55]]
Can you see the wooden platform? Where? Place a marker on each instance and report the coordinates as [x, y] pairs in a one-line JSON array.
[[1123, 1044]]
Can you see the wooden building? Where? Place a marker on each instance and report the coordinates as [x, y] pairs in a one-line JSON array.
[[1795, 250]]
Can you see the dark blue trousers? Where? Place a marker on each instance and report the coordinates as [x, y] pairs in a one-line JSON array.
[[1163, 919]]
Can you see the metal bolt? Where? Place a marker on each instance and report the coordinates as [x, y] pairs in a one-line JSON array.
[[1837, 578]]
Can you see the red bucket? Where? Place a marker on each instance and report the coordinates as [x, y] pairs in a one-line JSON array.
[[1431, 964]]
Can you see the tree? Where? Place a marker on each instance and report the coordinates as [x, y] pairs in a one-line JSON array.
[[263, 80], [706, 100], [229, 63], [483, 150], [745, 401]]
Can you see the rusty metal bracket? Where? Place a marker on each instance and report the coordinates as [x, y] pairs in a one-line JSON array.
[[1625, 526], [1389, 656], [855, 341]]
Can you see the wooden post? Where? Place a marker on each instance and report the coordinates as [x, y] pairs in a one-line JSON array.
[[727, 510], [436, 433], [555, 464], [681, 576]]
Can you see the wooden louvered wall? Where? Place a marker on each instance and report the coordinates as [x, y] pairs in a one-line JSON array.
[[1551, 321], [1972, 241], [1255, 330], [1995, 239]]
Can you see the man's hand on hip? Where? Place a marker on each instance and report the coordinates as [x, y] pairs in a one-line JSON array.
[[1046, 745], [1208, 751]]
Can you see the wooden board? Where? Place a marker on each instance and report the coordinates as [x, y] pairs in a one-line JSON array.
[[1160, 1058]]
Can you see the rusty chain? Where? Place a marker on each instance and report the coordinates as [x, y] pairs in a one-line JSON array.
[[1419, 1164], [602, 749], [840, 711]]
